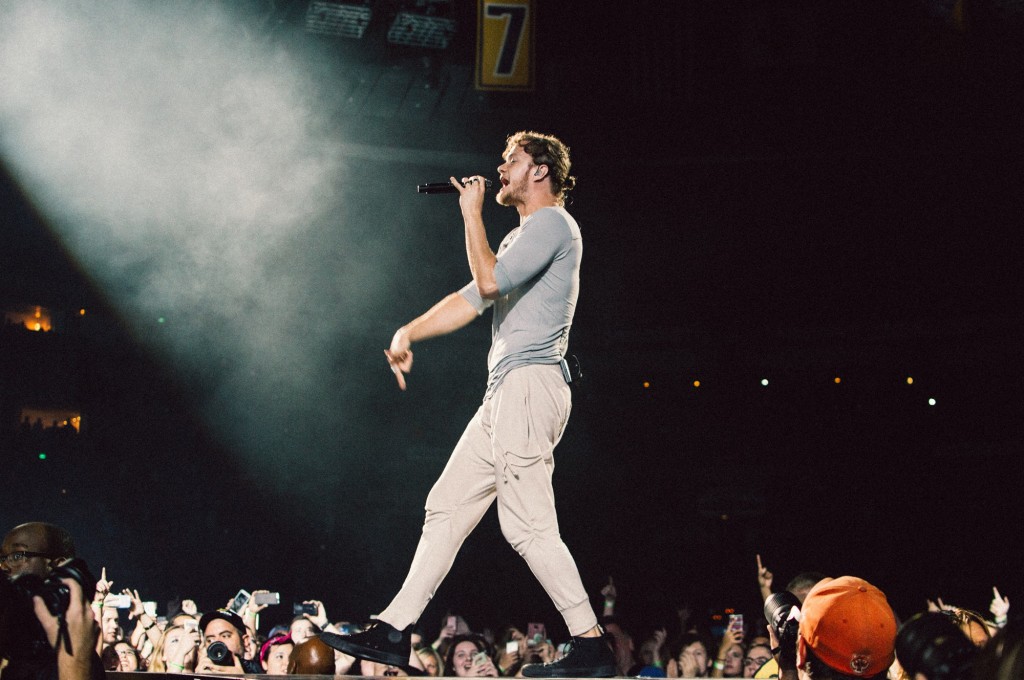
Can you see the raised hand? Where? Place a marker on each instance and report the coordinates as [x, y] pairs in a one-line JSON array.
[[659, 636], [609, 591], [320, 618], [1000, 606], [764, 579], [252, 605], [103, 586], [471, 193], [137, 609]]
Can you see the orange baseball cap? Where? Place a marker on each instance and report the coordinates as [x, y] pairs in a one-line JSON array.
[[849, 625]]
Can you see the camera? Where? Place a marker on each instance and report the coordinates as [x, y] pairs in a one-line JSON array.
[[22, 638], [779, 610], [219, 654]]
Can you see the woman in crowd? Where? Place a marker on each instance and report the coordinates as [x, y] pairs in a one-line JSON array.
[[175, 651], [469, 657], [757, 655], [275, 652], [122, 657], [431, 660], [728, 662]]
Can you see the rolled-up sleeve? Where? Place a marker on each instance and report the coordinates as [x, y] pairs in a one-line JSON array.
[[473, 297]]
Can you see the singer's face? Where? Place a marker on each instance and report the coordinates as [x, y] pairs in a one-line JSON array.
[[515, 173]]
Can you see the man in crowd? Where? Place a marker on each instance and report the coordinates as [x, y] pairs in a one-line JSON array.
[[226, 627], [34, 548], [847, 631], [38, 649]]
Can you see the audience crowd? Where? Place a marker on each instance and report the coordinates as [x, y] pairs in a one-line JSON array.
[[816, 628]]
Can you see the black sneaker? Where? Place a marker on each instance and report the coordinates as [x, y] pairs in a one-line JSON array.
[[586, 658], [383, 643]]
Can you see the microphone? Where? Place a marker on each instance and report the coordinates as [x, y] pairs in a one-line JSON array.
[[443, 187]]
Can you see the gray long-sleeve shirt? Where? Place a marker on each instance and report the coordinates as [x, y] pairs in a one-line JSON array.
[[538, 275]]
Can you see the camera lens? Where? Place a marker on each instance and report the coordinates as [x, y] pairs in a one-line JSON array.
[[219, 654], [777, 608]]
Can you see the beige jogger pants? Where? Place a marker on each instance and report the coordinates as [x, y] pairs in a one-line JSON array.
[[505, 452]]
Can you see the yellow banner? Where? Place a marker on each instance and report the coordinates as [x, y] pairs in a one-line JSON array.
[[504, 45]]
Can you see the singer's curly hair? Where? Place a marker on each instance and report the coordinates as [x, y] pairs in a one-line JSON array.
[[550, 151]]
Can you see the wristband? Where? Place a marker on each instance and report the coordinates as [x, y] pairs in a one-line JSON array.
[[151, 624], [179, 666], [720, 665]]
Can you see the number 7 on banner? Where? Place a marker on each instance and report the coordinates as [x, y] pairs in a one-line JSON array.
[[504, 50]]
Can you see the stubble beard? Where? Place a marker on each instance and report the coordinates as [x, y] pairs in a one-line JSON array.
[[508, 197]]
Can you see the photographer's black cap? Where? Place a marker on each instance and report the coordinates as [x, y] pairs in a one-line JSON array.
[[225, 615]]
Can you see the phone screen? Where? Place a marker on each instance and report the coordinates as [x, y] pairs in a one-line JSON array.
[[267, 598], [736, 622], [238, 604], [118, 601], [511, 647]]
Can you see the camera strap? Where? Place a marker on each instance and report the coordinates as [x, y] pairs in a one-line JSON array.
[[63, 635]]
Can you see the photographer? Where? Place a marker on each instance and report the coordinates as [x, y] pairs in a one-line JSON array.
[[846, 631], [36, 587], [34, 548], [225, 636]]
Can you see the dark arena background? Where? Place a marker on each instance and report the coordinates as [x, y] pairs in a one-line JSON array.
[[799, 321]]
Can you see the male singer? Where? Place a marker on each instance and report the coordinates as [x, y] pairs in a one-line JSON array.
[[506, 450]]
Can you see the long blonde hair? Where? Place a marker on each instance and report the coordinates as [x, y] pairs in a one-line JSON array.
[[156, 660]]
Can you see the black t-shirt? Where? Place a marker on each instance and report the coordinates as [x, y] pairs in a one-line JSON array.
[[252, 666]]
